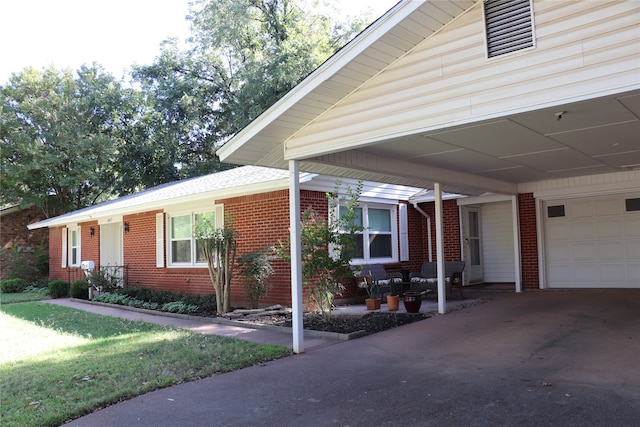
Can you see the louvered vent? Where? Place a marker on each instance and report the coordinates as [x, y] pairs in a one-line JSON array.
[[509, 26]]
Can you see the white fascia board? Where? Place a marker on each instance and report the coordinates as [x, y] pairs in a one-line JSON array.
[[329, 68]]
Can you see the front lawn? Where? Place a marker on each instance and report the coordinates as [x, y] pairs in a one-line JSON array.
[[58, 363]]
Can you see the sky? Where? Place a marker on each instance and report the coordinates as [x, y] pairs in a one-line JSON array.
[[115, 34]]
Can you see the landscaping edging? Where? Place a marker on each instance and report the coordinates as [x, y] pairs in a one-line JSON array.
[[228, 322]]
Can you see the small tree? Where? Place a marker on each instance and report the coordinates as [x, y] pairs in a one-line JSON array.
[[328, 245], [256, 267], [218, 246]]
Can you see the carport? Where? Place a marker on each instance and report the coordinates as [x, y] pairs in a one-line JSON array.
[[419, 99]]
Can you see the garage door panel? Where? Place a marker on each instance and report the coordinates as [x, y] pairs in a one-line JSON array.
[[632, 225], [633, 249], [560, 251], [583, 230], [584, 251], [610, 228], [608, 206], [581, 209], [558, 230], [612, 251], [613, 274]]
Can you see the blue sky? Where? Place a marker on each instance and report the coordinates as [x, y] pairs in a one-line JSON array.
[[115, 34]]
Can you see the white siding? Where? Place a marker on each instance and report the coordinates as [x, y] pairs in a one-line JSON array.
[[448, 80], [497, 243]]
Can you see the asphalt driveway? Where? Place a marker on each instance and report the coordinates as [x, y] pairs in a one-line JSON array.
[[562, 358]]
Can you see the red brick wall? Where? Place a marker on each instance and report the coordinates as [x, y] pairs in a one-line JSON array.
[[451, 230], [14, 232], [528, 241]]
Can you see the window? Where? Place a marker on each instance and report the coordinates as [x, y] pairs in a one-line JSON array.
[[632, 205], [378, 241], [74, 247], [509, 26], [184, 249], [556, 211]]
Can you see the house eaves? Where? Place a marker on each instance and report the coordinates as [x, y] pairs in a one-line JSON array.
[[390, 37], [230, 183]]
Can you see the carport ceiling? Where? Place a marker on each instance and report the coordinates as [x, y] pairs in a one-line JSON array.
[[583, 138]]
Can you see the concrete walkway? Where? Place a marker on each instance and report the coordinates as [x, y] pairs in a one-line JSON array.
[[565, 358]]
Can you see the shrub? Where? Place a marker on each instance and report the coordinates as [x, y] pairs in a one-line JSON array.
[[13, 286], [58, 289], [80, 289], [28, 266], [179, 307], [256, 268]]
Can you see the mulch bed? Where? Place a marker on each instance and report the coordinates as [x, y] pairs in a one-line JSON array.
[[370, 323]]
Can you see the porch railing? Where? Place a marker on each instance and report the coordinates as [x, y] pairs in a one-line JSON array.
[[117, 274]]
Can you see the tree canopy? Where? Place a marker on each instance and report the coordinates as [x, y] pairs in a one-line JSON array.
[[70, 140]]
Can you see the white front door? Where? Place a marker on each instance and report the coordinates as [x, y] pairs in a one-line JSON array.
[[111, 248], [472, 245]]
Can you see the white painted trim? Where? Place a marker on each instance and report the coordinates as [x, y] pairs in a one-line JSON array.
[[478, 200], [403, 234], [586, 186], [160, 240], [296, 257], [64, 247]]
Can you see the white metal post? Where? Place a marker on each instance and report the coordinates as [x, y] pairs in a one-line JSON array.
[[296, 256], [516, 242], [442, 302]]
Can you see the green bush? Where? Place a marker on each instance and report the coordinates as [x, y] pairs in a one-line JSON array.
[[179, 307], [80, 289], [26, 265], [13, 286], [59, 289]]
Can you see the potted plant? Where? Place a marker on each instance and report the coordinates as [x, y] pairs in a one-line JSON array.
[[370, 284], [393, 299]]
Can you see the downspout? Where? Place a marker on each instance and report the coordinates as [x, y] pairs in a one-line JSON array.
[[426, 215]]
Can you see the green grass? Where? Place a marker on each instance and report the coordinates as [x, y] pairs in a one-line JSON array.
[[22, 297], [58, 363]]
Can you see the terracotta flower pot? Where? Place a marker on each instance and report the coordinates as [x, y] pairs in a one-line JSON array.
[[373, 304], [393, 302]]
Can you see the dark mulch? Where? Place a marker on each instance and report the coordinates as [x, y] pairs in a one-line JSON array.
[[370, 323]]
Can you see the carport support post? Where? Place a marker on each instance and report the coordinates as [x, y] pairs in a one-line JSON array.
[[442, 303], [296, 256], [516, 242]]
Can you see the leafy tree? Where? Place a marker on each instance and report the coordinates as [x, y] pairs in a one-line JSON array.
[[219, 248], [242, 57], [60, 137]]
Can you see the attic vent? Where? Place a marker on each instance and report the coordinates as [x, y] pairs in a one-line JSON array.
[[509, 26]]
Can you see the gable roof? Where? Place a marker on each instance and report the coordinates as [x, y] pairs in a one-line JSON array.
[[413, 100], [385, 40], [235, 182]]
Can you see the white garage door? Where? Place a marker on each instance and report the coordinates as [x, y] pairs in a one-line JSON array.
[[593, 242]]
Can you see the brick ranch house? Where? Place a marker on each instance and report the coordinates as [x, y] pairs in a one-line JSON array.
[[139, 231], [530, 101]]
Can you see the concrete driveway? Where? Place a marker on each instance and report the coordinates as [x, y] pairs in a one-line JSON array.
[[562, 358]]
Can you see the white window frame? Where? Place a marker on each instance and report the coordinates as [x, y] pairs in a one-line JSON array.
[[393, 212], [71, 247], [193, 263]]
